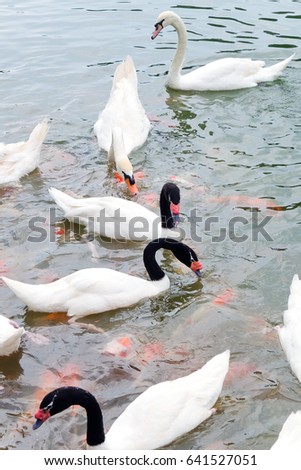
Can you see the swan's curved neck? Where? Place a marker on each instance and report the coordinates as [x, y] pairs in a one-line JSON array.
[[95, 428], [117, 150], [166, 215], [149, 258], [177, 62], [68, 396], [170, 194]]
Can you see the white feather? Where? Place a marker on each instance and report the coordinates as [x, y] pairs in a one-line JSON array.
[[21, 158], [10, 336], [290, 332], [290, 435]]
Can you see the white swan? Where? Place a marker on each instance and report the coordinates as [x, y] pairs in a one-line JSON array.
[[123, 126], [290, 435], [222, 74], [96, 290], [121, 219], [290, 332], [21, 158], [10, 336], [157, 417]]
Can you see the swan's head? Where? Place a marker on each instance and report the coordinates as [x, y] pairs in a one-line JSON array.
[[130, 182], [183, 253], [48, 407], [59, 400], [62, 398], [164, 19]]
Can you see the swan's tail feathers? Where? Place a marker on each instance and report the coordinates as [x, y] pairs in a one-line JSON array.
[[126, 70], [211, 377], [38, 297], [25, 292], [38, 135], [63, 200], [272, 72]]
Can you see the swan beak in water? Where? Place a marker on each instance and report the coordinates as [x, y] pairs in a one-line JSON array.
[[159, 27], [175, 210], [41, 416], [131, 184], [196, 267]]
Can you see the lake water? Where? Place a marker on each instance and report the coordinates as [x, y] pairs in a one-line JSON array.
[[236, 158]]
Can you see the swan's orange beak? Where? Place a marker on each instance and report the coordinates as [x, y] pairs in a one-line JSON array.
[[132, 186], [175, 210], [196, 267]]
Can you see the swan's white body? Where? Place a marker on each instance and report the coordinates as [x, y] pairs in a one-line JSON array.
[[124, 110], [113, 217], [122, 126], [10, 336], [290, 435], [290, 332], [169, 409], [157, 417], [21, 158], [87, 291], [222, 74]]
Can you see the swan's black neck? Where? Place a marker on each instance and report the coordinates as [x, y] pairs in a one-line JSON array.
[[181, 251], [169, 193], [60, 399]]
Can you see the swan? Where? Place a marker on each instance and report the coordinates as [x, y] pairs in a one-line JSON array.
[[157, 417], [96, 290], [290, 333], [122, 126], [121, 219], [290, 435], [222, 74], [10, 336], [20, 158]]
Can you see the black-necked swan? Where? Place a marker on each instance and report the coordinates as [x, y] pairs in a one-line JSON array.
[[10, 336], [20, 158], [157, 417], [290, 332], [223, 74], [121, 219], [96, 290], [290, 435], [122, 126]]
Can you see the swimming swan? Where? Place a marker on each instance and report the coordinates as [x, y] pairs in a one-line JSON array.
[[222, 74], [290, 333], [122, 126], [290, 435], [10, 336], [157, 417], [120, 219], [95, 290], [21, 158]]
